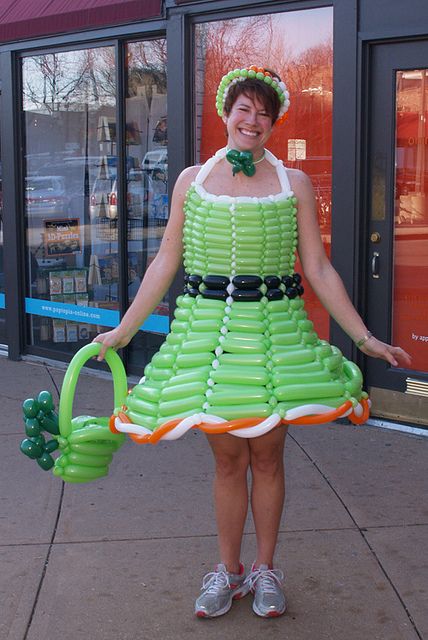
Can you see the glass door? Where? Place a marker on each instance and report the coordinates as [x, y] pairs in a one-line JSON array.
[[398, 226]]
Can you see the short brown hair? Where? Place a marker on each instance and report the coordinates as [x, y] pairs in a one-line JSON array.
[[253, 88]]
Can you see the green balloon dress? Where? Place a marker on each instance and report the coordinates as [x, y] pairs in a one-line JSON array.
[[241, 344]]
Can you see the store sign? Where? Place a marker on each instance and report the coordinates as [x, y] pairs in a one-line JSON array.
[[2, 301], [90, 315], [62, 237]]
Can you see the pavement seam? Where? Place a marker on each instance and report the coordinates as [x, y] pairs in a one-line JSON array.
[[51, 545], [213, 535], [53, 381], [45, 567], [361, 531]]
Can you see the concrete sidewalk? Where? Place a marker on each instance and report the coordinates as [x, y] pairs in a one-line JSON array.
[[122, 558]]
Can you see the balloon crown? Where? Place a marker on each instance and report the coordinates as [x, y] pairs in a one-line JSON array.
[[255, 73]]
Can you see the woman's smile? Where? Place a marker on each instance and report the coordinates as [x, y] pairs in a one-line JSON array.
[[248, 124]]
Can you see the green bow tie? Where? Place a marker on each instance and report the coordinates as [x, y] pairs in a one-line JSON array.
[[241, 161]]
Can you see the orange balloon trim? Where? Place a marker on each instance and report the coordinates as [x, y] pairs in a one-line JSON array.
[[243, 423]]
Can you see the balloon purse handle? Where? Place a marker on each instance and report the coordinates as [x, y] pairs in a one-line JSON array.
[[68, 388]]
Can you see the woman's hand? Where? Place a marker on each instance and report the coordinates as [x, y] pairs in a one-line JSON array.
[[116, 339], [396, 356]]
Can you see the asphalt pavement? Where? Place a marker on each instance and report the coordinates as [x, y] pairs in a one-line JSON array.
[[122, 558]]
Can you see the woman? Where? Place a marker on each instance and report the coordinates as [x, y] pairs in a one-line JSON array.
[[248, 337]]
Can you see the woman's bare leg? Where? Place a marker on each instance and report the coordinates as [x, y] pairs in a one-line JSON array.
[[232, 457], [268, 490]]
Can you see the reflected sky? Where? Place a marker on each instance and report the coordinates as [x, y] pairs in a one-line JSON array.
[[304, 29]]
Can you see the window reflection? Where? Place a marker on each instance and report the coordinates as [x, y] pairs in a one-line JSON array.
[[69, 101], [147, 179], [410, 306], [298, 46]]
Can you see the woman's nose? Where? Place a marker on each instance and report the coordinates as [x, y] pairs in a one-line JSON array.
[[252, 117]]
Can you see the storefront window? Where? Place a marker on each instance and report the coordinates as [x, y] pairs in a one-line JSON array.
[[69, 101], [410, 294], [298, 46], [73, 200], [147, 179]]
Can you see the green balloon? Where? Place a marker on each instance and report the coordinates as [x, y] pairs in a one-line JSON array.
[[174, 407], [32, 427], [31, 449], [45, 401], [70, 380], [51, 446], [39, 440], [30, 408], [49, 423], [45, 461]]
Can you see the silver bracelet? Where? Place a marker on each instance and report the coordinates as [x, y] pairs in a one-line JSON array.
[[364, 339]]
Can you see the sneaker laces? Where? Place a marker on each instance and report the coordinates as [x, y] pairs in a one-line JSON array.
[[268, 579], [214, 581]]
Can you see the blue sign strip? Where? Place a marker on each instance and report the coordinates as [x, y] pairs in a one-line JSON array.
[[90, 315], [2, 301]]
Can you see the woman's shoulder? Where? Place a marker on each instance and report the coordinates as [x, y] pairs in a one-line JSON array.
[[186, 177], [300, 182], [189, 173]]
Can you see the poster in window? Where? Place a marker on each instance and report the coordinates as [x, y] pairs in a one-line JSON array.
[[62, 237]]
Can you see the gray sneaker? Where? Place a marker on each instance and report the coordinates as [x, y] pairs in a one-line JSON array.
[[219, 588], [266, 584]]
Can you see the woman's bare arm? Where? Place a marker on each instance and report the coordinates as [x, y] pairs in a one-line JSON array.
[[325, 280], [159, 275]]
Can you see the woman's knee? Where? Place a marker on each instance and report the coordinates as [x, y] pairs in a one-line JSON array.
[[268, 461], [267, 453], [232, 465]]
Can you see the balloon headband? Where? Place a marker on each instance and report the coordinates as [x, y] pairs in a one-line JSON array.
[[255, 73]]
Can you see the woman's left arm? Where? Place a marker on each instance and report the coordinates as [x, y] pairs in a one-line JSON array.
[[325, 280]]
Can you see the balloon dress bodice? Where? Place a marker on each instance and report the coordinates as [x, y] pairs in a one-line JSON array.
[[241, 345]]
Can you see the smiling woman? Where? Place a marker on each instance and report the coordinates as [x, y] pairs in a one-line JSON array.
[[242, 357]]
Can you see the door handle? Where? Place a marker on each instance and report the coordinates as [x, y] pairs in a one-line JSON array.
[[375, 264]]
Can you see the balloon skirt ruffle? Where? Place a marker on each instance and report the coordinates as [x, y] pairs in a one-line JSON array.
[[241, 427]]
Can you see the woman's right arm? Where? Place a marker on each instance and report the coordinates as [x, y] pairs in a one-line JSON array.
[[159, 275]]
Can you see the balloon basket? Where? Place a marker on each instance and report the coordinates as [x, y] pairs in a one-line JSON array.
[[85, 443]]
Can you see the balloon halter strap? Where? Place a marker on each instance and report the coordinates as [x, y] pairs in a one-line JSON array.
[[86, 443], [243, 161]]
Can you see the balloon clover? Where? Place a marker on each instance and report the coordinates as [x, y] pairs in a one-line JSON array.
[[241, 161], [38, 416]]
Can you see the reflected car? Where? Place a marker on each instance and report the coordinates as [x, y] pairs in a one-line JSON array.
[[46, 196], [99, 200], [134, 196], [155, 159]]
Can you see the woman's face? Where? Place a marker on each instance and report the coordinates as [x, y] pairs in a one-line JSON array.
[[249, 125]]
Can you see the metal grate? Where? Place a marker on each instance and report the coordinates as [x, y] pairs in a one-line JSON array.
[[417, 387]]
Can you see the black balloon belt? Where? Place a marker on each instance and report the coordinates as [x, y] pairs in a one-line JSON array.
[[245, 288]]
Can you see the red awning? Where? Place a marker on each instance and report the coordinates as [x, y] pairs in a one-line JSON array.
[[22, 19]]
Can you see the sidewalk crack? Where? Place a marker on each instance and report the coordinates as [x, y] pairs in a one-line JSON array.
[[45, 567]]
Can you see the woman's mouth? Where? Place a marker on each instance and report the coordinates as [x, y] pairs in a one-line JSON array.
[[247, 132]]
